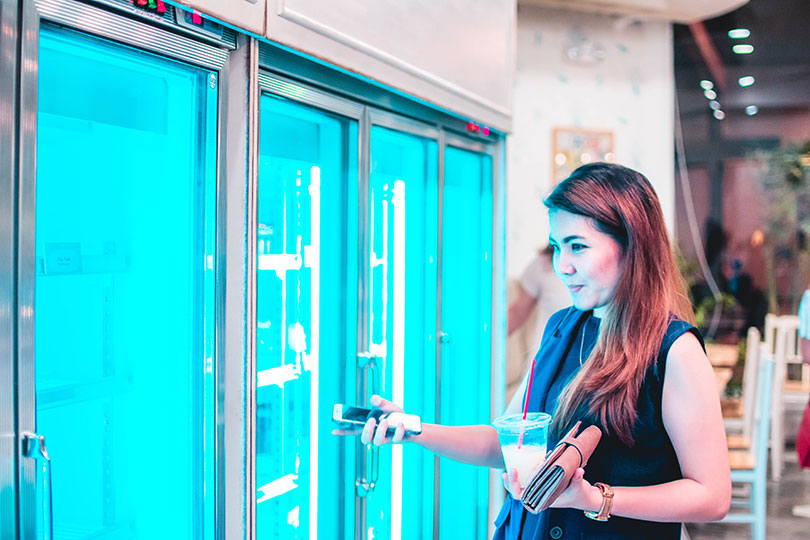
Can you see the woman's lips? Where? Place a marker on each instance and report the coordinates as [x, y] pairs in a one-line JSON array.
[[574, 288]]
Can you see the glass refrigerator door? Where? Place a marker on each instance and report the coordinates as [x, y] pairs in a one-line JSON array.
[[402, 275], [466, 341], [124, 324], [306, 313]]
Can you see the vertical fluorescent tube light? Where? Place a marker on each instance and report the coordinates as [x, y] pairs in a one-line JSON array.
[[312, 258], [386, 264], [398, 356]]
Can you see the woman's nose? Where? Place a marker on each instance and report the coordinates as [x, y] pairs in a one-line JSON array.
[[562, 266]]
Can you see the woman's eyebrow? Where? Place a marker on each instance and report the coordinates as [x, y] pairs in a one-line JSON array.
[[572, 237]]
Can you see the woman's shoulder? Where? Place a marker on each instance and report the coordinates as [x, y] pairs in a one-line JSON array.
[[676, 328]]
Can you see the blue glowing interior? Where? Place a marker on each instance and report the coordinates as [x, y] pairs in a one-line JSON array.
[[126, 175]]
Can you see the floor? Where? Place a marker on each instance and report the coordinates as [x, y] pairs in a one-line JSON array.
[[792, 489]]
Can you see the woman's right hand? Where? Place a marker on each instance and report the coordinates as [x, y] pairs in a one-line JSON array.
[[511, 483], [372, 433]]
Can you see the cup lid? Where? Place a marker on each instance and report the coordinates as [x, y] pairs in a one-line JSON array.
[[515, 422]]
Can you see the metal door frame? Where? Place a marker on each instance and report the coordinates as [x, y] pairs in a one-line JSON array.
[[304, 94], [419, 128], [496, 151], [92, 20], [9, 105], [367, 115]]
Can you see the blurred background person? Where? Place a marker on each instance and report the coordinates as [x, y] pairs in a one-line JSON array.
[[803, 436], [538, 294]]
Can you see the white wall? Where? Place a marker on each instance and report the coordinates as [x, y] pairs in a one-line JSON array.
[[630, 93]]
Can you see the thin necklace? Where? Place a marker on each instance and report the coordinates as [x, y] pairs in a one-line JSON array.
[[582, 341]]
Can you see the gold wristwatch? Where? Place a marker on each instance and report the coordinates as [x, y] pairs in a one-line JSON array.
[[607, 503]]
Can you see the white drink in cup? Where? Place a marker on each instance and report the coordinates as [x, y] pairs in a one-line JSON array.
[[525, 459], [523, 442]]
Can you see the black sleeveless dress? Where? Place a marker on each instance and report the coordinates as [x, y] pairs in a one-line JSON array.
[[570, 335]]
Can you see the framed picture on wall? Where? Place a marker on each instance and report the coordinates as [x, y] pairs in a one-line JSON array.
[[572, 147]]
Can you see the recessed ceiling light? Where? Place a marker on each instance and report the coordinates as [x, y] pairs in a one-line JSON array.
[[710, 94], [748, 80], [739, 33], [714, 105], [743, 48], [751, 110], [706, 84], [719, 114]]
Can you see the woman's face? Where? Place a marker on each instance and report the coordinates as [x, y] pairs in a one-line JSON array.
[[587, 260]]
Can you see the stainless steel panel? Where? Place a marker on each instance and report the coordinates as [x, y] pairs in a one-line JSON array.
[[9, 54], [363, 314], [236, 342], [132, 32], [401, 123], [442, 335], [306, 94]]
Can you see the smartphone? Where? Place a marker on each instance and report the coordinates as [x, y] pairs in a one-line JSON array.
[[356, 417]]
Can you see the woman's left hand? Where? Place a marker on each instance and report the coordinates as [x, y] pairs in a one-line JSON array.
[[578, 494]]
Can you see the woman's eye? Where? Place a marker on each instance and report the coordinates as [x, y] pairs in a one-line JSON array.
[[577, 247]]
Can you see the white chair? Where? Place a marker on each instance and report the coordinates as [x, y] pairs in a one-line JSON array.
[[752, 467], [781, 342], [742, 439]]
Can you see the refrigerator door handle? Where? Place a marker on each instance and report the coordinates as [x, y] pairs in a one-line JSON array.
[[34, 448], [364, 486]]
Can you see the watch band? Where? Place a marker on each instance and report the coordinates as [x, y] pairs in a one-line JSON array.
[[607, 503]]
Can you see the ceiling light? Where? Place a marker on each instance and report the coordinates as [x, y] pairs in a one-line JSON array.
[[739, 33], [751, 110], [743, 49], [706, 84], [748, 80], [719, 114], [710, 94], [714, 105]]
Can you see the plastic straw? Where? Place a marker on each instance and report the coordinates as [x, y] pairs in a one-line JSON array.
[[526, 404]]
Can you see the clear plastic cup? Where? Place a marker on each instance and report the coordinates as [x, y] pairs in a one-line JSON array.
[[524, 453]]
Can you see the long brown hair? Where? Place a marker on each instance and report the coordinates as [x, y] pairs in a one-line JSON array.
[[624, 205]]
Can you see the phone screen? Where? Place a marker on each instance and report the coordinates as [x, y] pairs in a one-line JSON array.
[[355, 414]]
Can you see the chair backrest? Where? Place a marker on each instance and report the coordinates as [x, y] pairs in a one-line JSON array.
[[752, 347], [769, 336], [762, 411]]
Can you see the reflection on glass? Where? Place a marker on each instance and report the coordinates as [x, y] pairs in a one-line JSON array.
[[466, 314], [305, 159], [403, 212], [125, 219]]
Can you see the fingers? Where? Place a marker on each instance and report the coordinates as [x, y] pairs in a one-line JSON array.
[[510, 480], [379, 436], [399, 434], [368, 431], [383, 404], [345, 432]]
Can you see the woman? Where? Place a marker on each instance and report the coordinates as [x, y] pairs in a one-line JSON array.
[[622, 358]]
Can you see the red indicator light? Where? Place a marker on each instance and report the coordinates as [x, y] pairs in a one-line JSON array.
[[196, 18], [486, 131], [470, 126], [161, 7], [141, 2]]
